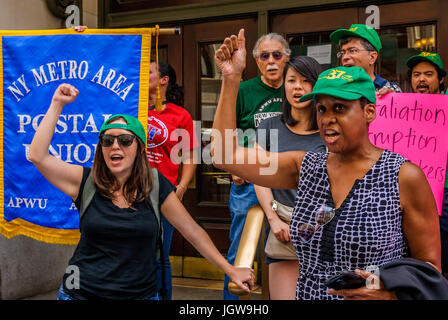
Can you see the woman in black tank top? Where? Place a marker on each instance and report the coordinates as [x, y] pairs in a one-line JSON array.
[[117, 251]]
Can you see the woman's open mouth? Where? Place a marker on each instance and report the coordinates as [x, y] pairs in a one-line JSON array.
[[330, 136], [296, 97], [116, 159]]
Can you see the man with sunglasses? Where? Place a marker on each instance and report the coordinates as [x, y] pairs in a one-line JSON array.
[[360, 46], [427, 75], [259, 98]]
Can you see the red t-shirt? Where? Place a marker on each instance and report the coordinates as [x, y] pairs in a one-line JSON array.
[[165, 140]]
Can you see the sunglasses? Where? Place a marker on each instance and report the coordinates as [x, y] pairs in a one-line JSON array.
[[323, 216], [264, 55], [124, 140]]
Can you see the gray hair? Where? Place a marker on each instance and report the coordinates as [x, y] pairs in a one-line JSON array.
[[272, 36]]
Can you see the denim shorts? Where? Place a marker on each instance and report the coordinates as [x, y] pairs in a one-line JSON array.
[[270, 260], [64, 296]]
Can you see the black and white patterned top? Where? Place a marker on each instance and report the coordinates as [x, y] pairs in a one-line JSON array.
[[365, 231]]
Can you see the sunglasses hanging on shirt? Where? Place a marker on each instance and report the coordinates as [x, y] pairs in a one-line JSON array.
[[323, 216]]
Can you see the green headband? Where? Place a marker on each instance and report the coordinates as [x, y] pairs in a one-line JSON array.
[[132, 124]]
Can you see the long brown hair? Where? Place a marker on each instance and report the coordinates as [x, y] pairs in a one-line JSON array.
[[139, 184]]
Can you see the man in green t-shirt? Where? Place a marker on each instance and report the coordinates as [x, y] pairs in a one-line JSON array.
[[427, 75], [259, 98]]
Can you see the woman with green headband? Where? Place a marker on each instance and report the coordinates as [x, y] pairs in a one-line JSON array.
[[358, 207], [116, 255]]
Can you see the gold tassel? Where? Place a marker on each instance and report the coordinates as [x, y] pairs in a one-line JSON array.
[[159, 104]]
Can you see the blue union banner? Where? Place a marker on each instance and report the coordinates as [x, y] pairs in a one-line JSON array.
[[110, 68]]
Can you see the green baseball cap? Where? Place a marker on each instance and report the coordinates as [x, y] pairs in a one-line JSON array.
[[360, 31], [132, 124], [349, 83], [430, 57]]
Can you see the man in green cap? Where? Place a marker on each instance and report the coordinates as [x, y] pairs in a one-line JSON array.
[[360, 46], [427, 75]]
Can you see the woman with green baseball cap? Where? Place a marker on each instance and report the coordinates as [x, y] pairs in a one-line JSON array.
[[116, 255], [357, 206]]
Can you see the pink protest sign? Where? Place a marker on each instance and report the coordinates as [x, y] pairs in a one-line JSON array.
[[415, 126]]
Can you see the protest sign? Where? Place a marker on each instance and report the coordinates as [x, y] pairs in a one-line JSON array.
[[415, 126]]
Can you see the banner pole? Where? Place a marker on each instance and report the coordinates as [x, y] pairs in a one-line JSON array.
[[166, 31]]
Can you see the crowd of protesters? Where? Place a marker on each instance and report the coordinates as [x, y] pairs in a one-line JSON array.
[[332, 199], [335, 203]]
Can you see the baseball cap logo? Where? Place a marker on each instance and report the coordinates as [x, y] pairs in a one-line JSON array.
[[353, 29], [428, 54], [337, 74]]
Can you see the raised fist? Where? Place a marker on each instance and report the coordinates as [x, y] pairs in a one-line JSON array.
[[65, 93], [231, 55]]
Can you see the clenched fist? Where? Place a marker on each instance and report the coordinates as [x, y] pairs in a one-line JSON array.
[[231, 55], [64, 94]]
